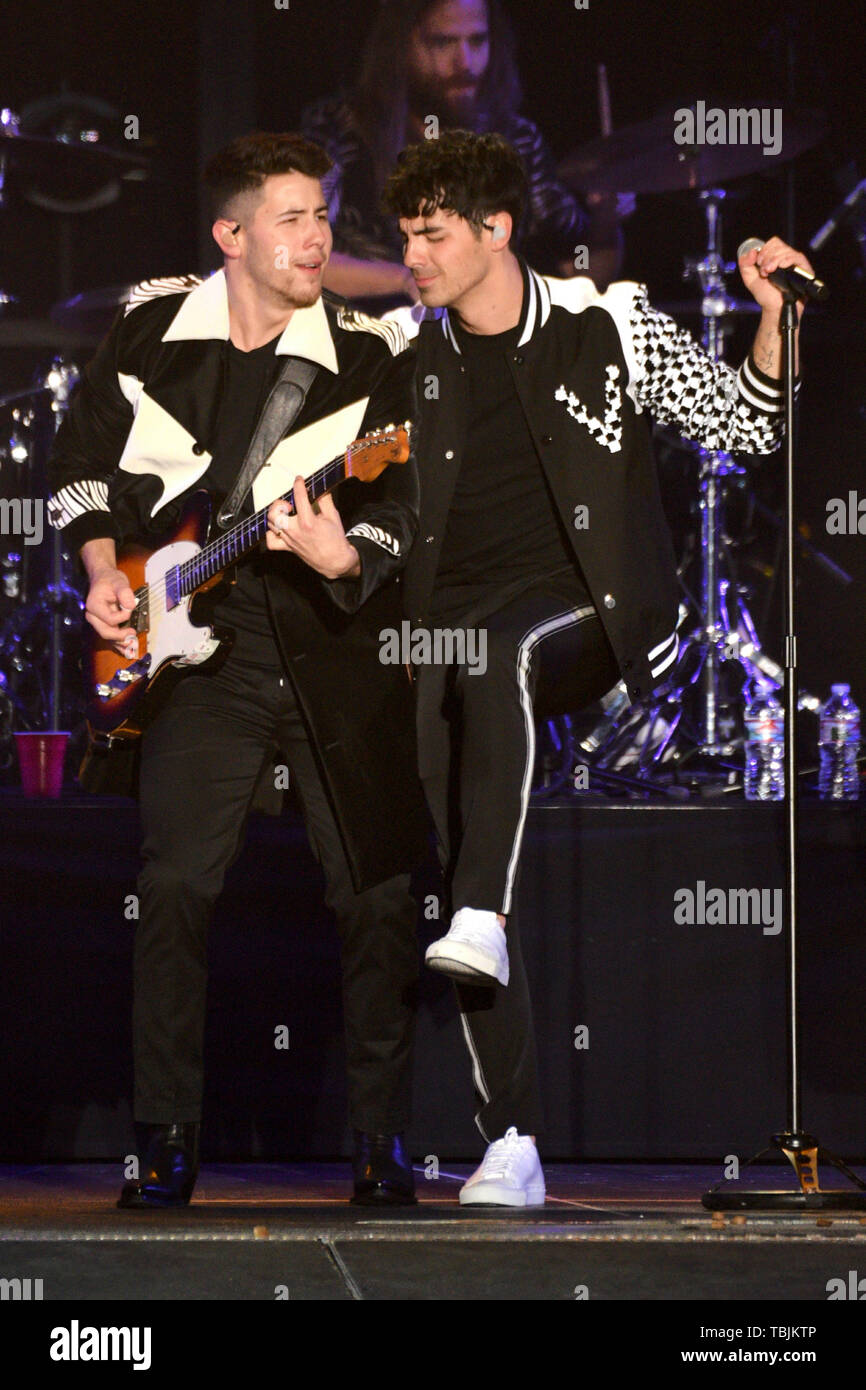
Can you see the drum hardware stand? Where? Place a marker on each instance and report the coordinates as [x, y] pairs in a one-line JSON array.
[[59, 600], [654, 732], [803, 1150], [559, 780], [62, 377], [9, 126], [15, 580]]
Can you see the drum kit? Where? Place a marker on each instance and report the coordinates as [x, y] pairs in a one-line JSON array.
[[685, 739], [681, 739], [53, 156]]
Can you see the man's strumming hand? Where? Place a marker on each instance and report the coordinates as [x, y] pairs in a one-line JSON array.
[[110, 599]]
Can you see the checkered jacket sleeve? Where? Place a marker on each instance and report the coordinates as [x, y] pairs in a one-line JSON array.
[[677, 381]]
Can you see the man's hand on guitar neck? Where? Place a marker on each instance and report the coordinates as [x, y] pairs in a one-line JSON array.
[[317, 537], [110, 599]]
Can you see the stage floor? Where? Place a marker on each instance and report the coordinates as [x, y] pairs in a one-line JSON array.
[[269, 1231]]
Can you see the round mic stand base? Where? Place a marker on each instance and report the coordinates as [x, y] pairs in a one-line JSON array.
[[804, 1153]]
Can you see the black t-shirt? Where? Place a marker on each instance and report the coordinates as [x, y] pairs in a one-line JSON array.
[[248, 379], [503, 531]]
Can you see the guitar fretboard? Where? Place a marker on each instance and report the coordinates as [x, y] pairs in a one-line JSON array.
[[183, 579]]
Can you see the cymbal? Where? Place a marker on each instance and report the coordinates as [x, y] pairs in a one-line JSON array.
[[42, 153], [92, 312], [645, 157]]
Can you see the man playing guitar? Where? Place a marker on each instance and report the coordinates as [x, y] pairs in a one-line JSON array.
[[176, 399]]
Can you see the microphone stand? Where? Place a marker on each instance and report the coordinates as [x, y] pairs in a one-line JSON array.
[[801, 1148]]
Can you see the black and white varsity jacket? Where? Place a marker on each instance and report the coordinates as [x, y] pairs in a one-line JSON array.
[[588, 368], [137, 440]]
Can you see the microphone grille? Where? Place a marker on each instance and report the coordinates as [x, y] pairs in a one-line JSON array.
[[752, 243]]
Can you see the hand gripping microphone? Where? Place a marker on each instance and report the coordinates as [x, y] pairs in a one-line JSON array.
[[792, 278]]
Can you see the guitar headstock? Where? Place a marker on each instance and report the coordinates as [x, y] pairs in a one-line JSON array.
[[369, 456]]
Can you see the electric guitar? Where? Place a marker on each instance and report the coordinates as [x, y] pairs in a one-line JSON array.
[[167, 581]]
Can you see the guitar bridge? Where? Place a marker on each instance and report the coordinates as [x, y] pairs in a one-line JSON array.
[[126, 676]]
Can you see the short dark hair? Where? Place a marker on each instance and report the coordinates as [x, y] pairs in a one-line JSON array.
[[472, 175], [243, 165]]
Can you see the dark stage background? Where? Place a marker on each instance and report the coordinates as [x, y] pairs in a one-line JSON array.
[[196, 75]]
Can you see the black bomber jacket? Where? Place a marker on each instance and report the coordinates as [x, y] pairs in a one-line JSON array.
[[589, 368], [135, 444]]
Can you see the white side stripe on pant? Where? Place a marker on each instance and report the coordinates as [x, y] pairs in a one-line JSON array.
[[477, 1074], [527, 645]]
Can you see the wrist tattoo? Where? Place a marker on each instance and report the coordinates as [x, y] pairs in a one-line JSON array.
[[765, 354]]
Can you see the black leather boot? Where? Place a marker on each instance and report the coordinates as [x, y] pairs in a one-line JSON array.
[[383, 1171], [168, 1167]]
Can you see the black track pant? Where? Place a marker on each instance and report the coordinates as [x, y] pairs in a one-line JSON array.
[[201, 760], [546, 654]]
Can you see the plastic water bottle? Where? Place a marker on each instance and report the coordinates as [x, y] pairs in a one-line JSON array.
[[839, 744], [764, 718]]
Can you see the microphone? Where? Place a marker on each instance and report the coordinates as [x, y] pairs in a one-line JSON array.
[[792, 278]]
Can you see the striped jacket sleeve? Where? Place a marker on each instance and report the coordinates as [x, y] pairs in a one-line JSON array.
[[87, 449], [382, 526], [709, 402]]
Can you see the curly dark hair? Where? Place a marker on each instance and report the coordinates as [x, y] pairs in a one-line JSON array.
[[243, 165], [472, 175]]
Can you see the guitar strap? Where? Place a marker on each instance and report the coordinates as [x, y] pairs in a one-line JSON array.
[[281, 410]]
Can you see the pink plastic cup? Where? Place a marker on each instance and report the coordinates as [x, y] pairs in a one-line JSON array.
[[41, 758]]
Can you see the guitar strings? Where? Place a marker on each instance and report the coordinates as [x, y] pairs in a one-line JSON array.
[[156, 592]]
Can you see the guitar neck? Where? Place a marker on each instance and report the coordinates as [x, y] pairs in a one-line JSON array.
[[213, 558]]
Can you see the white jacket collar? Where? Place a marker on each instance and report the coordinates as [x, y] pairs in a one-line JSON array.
[[534, 314], [204, 313]]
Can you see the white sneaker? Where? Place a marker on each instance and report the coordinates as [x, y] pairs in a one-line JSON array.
[[473, 950], [510, 1175]]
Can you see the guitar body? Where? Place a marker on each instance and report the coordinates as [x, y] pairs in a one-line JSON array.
[[125, 693], [175, 584]]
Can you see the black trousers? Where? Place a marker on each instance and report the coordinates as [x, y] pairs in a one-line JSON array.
[[546, 654], [201, 760]]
